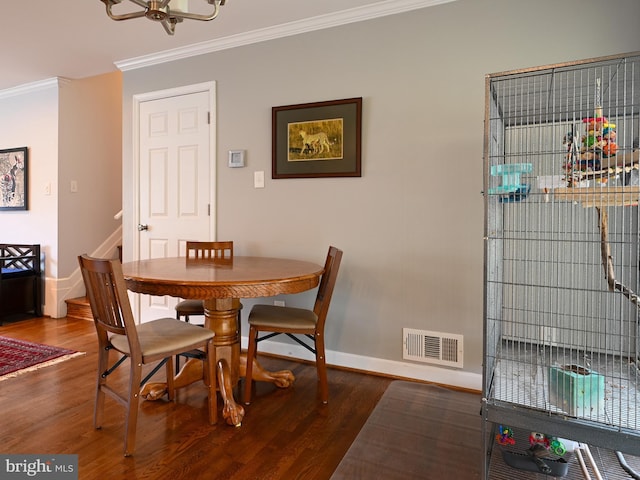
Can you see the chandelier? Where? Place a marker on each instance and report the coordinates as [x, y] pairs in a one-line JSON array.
[[168, 12]]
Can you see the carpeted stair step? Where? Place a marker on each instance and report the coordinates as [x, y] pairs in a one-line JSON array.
[[79, 308]]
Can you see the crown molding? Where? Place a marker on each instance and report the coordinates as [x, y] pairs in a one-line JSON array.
[[29, 88], [352, 15]]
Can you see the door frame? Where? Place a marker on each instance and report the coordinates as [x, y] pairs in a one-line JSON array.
[[138, 99]]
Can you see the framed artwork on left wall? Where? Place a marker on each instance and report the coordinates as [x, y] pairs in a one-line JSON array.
[[14, 178]]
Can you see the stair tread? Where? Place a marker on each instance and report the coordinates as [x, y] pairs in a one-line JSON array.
[[78, 301], [79, 308]]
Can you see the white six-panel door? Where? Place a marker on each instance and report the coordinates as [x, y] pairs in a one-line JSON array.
[[175, 182]]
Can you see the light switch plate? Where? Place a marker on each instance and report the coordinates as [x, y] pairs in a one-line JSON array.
[[236, 158], [258, 179]]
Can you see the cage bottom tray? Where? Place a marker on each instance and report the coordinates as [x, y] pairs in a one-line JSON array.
[[606, 461], [521, 461]]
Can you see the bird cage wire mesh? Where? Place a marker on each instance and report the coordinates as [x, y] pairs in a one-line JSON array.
[[561, 189]]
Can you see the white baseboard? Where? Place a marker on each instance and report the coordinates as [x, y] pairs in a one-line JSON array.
[[414, 371]]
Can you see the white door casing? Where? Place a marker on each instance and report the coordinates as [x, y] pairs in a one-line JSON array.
[[176, 178]]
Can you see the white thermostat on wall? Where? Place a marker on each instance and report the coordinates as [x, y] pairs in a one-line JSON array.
[[236, 158]]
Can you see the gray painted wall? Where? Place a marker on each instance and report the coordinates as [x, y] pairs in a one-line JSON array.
[[411, 227]]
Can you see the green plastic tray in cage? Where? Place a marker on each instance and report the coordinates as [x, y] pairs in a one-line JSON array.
[[577, 390], [510, 173]]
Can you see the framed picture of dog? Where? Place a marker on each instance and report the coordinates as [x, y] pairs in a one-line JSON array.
[[321, 139], [14, 192]]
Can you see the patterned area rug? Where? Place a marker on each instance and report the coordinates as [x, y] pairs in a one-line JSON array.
[[18, 356]]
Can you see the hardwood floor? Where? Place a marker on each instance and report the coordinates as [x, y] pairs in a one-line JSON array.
[[286, 434]]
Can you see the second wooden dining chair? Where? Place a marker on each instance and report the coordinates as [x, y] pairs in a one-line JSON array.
[[296, 323], [151, 342], [202, 250], [218, 252]]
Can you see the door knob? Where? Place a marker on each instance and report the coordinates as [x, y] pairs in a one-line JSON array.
[[142, 227]]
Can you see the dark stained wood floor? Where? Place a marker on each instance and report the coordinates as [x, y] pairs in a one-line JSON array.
[[286, 433]]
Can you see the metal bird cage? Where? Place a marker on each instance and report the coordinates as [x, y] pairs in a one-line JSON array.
[[562, 258]]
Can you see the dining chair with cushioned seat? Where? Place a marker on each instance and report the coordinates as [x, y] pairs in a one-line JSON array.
[[206, 251], [153, 342], [302, 325], [217, 251]]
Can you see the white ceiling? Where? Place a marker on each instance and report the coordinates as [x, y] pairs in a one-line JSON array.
[[74, 39]]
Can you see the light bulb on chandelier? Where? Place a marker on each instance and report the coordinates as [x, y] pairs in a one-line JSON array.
[[168, 12]]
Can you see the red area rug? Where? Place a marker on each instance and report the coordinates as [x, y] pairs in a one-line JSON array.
[[18, 356]]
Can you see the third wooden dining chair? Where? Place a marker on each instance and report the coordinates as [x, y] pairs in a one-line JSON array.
[[298, 324]]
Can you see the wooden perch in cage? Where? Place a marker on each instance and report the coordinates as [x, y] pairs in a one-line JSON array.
[[599, 196], [607, 261]]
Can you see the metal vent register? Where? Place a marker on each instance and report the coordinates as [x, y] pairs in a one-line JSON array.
[[432, 347]]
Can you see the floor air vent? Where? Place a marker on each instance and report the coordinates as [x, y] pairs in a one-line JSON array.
[[432, 347]]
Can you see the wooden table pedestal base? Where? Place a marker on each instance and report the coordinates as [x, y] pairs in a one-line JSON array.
[[222, 319]]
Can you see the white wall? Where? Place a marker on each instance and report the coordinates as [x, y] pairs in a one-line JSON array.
[[73, 131], [411, 227], [91, 155], [31, 120]]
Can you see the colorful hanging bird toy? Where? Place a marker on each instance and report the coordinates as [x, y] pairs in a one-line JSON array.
[[597, 142]]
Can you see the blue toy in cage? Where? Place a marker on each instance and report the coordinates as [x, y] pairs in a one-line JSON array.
[[512, 188]]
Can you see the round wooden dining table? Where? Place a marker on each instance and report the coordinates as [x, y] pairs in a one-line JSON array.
[[221, 284]]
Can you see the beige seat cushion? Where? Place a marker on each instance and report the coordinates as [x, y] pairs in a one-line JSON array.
[[190, 307], [164, 335], [282, 317]]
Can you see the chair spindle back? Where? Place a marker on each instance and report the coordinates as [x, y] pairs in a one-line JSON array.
[[108, 297], [210, 250], [327, 284]]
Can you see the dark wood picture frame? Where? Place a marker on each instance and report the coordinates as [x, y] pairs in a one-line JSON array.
[[14, 179], [321, 139]]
